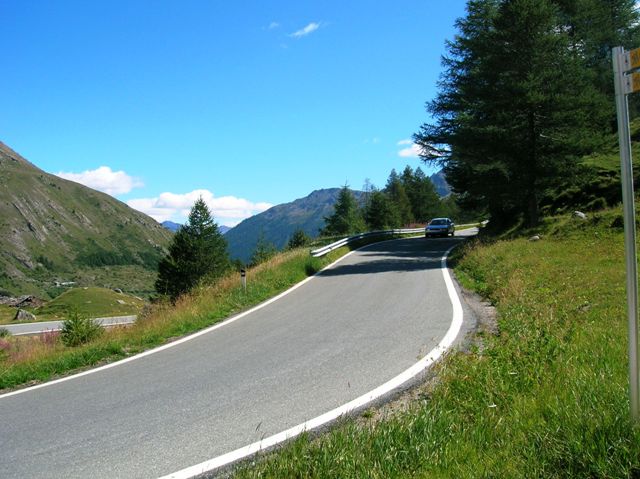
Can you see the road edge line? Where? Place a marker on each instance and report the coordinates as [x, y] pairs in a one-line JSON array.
[[435, 354], [178, 341]]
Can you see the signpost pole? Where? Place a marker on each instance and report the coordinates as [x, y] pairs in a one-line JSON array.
[[624, 84]]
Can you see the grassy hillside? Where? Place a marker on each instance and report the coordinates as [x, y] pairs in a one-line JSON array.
[[596, 185], [543, 396], [53, 230], [7, 313], [92, 302]]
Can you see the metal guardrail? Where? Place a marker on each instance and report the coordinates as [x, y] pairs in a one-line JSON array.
[[352, 239]]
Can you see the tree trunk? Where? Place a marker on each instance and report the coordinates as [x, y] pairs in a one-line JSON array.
[[532, 172]]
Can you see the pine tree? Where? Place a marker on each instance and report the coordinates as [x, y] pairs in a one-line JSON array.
[[399, 198], [594, 28], [425, 201], [367, 189], [198, 252], [379, 213], [298, 239], [263, 251], [517, 107], [346, 218]]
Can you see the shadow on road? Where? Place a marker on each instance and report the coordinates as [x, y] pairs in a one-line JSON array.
[[399, 256]]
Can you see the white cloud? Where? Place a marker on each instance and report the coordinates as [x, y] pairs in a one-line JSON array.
[[105, 180], [228, 210], [273, 25], [303, 32], [411, 151]]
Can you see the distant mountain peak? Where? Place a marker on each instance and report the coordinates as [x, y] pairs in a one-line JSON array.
[[439, 181], [171, 226]]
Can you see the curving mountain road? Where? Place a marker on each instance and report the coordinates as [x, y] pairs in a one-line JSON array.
[[341, 334]]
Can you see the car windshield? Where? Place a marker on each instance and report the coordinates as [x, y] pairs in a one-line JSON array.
[[438, 222]]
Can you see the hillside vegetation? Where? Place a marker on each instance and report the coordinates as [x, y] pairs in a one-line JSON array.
[[596, 184], [544, 395], [53, 230], [92, 302]]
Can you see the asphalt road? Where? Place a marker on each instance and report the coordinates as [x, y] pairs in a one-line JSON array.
[[40, 327], [338, 336]]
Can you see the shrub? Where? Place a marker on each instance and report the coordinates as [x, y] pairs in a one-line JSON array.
[[298, 239], [46, 262], [79, 330], [4, 332]]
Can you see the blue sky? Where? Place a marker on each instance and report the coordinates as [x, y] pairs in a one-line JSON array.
[[246, 103]]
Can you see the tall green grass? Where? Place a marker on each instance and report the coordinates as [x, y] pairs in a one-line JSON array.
[[545, 397]]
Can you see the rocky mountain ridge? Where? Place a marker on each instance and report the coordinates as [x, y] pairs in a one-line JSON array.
[[52, 229]]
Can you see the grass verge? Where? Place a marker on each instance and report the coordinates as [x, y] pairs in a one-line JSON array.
[[545, 397], [7, 313]]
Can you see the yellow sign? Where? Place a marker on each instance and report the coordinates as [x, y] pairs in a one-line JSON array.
[[634, 58], [634, 82]]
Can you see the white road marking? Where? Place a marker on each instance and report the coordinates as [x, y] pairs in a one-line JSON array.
[[174, 343], [417, 368]]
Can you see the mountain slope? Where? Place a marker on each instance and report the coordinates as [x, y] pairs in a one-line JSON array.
[[440, 183], [279, 222], [53, 229], [171, 226]]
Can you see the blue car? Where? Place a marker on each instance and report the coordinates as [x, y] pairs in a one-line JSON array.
[[440, 227]]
